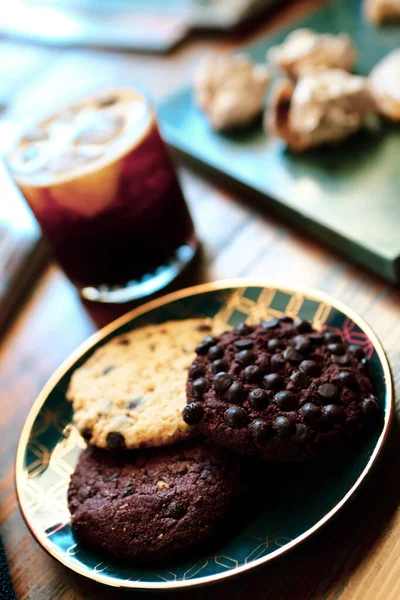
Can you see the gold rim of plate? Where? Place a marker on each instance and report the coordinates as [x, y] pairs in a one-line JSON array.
[[312, 293]]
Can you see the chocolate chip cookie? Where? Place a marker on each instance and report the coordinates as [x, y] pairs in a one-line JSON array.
[[131, 392], [150, 504], [280, 390]]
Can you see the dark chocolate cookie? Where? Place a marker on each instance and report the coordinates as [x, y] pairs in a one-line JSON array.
[[149, 504], [281, 391]]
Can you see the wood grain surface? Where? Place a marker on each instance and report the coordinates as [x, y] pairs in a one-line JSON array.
[[358, 556]]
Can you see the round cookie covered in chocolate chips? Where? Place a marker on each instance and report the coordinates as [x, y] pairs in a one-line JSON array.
[[280, 390], [149, 504]]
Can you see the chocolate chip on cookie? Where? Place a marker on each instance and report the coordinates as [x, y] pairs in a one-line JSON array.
[[215, 352], [245, 357], [196, 371], [243, 329], [234, 393], [252, 374], [206, 344], [370, 407], [220, 366], [300, 379], [135, 403], [86, 433], [221, 382], [270, 324], [261, 430], [235, 416], [328, 391], [357, 351], [285, 319], [258, 399], [192, 413], [200, 385], [273, 381], [348, 379], [115, 441]]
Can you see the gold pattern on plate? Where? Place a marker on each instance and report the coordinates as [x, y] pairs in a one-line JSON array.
[[47, 477], [260, 309], [226, 561], [261, 549]]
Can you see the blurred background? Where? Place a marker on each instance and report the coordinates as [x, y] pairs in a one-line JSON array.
[[131, 24], [54, 50]]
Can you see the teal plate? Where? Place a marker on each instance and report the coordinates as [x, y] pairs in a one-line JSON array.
[[347, 196], [50, 445]]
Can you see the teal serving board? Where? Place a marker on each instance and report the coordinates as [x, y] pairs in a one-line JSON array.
[[347, 196]]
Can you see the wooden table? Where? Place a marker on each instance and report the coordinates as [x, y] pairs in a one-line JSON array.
[[358, 556]]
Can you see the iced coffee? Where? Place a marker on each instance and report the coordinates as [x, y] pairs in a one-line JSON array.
[[101, 184]]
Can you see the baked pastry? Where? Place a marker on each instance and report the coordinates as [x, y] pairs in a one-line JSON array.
[[281, 391], [230, 89], [131, 391], [149, 504], [384, 84], [324, 106], [305, 50], [381, 11]]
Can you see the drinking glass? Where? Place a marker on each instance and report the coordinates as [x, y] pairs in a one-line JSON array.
[[100, 182]]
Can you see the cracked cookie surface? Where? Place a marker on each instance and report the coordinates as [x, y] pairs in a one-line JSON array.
[[150, 504]]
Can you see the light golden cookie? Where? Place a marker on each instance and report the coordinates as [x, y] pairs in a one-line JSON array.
[[384, 84], [305, 50], [230, 90], [323, 107], [131, 392], [382, 11]]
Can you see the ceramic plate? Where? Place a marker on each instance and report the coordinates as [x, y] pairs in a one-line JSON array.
[[50, 446]]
